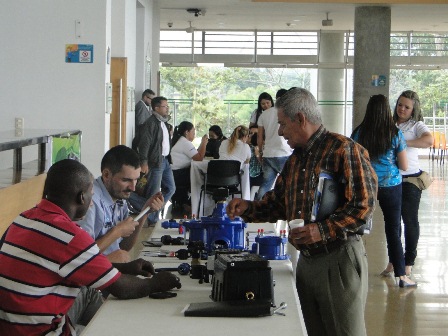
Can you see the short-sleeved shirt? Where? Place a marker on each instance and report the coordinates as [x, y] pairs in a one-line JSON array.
[[45, 258], [241, 152], [412, 130], [274, 144], [104, 215], [182, 153], [386, 166]]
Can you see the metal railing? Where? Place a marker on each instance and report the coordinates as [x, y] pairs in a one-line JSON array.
[[290, 49]]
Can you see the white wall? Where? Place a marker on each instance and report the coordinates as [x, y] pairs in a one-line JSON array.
[[36, 82], [48, 93]]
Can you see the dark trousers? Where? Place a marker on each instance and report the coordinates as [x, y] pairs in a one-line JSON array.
[[389, 199], [409, 213], [183, 186]]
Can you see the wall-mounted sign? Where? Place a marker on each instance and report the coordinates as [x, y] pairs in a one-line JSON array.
[[79, 53], [378, 80]]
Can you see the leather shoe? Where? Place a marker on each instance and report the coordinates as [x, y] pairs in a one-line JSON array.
[[404, 284]]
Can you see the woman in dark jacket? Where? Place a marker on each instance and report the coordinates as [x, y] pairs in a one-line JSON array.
[[215, 137]]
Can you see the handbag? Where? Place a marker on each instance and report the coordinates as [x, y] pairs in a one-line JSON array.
[[423, 181]]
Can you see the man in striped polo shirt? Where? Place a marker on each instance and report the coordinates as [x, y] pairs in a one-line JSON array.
[[46, 259]]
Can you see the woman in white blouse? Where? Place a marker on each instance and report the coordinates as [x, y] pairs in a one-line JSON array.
[[236, 148], [182, 153]]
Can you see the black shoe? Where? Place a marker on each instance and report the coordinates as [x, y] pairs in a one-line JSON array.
[[404, 284]]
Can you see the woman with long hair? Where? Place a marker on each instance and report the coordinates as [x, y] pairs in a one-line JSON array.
[[387, 151], [265, 101], [407, 115], [215, 137], [182, 153], [236, 148]]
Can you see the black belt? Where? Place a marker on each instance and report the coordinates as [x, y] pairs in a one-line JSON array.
[[327, 248]]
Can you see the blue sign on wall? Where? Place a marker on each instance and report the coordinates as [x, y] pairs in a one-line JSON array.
[[79, 53]]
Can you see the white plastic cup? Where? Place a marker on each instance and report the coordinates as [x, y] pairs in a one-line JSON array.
[[295, 223]]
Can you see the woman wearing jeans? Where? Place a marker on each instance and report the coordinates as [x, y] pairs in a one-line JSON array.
[[386, 146], [407, 115]]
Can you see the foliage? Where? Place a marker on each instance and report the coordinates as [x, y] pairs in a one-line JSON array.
[[429, 84], [227, 96], [223, 96]]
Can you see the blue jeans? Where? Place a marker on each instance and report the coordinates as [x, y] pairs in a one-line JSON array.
[[409, 214], [159, 178], [390, 202], [271, 167]]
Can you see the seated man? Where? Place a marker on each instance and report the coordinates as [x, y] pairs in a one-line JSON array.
[[108, 220], [46, 259]]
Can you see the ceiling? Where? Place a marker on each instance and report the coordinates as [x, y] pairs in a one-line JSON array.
[[275, 15]]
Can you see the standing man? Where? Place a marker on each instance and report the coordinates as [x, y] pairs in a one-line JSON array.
[[142, 112], [47, 260], [108, 221], [274, 151], [154, 149], [332, 272], [143, 108]]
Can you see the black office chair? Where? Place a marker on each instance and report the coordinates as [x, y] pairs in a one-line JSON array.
[[221, 174], [183, 186]]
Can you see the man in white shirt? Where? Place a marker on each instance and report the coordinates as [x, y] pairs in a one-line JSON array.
[[274, 150]]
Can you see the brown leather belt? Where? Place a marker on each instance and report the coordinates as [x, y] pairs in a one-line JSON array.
[[327, 248]]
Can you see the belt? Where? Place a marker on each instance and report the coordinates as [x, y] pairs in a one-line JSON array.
[[327, 248]]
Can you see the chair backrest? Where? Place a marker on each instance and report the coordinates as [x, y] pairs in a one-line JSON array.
[[223, 173], [436, 139]]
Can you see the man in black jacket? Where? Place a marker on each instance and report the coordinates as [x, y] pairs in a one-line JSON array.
[[154, 149]]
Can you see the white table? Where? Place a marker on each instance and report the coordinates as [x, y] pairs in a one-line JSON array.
[[165, 317], [197, 171]]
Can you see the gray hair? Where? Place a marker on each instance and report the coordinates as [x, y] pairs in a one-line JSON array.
[[300, 100]]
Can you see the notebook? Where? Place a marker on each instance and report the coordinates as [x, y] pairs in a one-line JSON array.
[[328, 197]]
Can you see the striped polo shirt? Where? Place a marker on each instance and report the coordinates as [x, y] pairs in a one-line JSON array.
[[44, 259]]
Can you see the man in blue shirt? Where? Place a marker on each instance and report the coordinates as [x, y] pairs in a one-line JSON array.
[[107, 220]]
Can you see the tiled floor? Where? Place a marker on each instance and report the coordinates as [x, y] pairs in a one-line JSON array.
[[423, 310], [417, 311]]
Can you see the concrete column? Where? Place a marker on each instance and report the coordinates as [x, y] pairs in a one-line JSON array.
[[155, 47], [331, 80], [372, 57]]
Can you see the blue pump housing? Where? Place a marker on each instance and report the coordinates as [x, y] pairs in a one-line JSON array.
[[271, 247], [217, 231]]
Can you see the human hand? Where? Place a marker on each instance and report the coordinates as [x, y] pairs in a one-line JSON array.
[[139, 267], [236, 207], [144, 168], [164, 281], [126, 227], [155, 202], [304, 235], [204, 138]]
